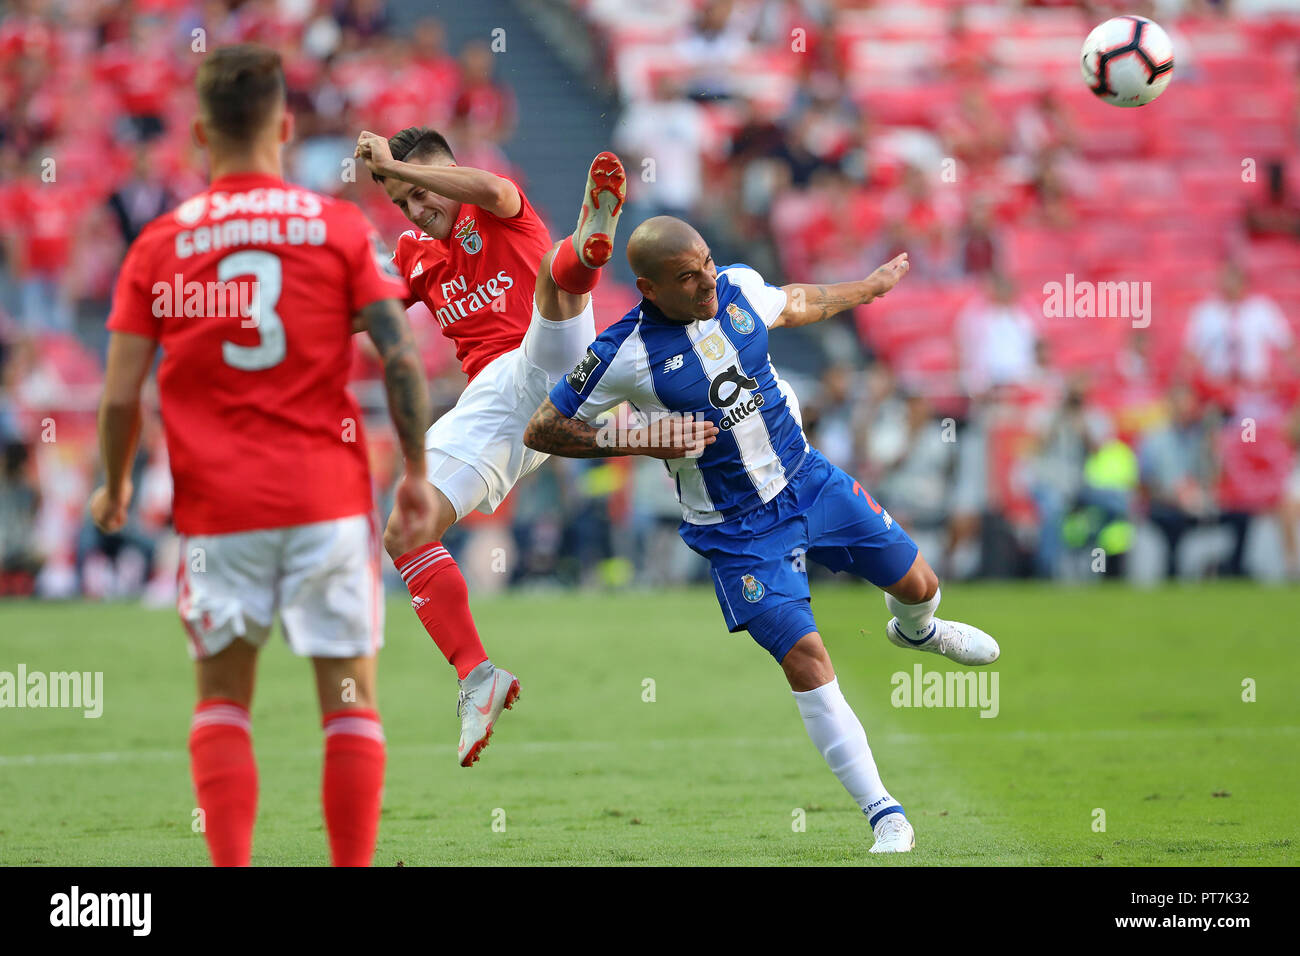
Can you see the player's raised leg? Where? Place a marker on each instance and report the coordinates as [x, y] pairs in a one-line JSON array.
[[576, 262], [834, 728], [352, 776], [912, 600], [563, 323], [440, 598], [221, 753]]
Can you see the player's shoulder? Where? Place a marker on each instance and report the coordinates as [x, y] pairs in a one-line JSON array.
[[159, 234], [410, 245], [527, 216], [611, 341], [742, 276]]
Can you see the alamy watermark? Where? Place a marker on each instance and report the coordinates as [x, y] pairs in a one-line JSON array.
[[129, 910], [662, 431], [234, 298], [923, 688], [80, 690], [1098, 300]]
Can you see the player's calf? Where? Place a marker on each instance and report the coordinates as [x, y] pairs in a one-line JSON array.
[[788, 632], [352, 783], [225, 778]]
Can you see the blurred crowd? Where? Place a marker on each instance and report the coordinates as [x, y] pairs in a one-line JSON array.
[[96, 109], [815, 140], [812, 139]]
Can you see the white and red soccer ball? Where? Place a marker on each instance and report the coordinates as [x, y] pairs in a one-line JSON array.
[[1128, 61]]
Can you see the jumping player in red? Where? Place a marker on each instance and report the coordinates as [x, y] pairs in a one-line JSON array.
[[252, 289], [519, 311]]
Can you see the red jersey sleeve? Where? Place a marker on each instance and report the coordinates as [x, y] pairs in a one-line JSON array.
[[525, 216], [132, 298], [374, 273]]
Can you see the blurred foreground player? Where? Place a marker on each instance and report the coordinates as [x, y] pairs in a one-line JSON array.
[[253, 289], [520, 313], [756, 499]]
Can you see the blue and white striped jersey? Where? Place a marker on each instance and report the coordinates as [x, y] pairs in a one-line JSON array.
[[718, 368]]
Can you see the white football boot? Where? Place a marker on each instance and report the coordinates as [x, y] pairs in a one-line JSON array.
[[893, 835], [956, 641], [484, 693], [602, 204]]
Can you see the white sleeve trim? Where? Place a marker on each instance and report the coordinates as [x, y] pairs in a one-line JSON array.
[[768, 300]]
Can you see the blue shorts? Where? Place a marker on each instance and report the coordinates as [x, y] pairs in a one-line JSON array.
[[759, 559]]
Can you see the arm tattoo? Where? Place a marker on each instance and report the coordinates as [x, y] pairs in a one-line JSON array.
[[551, 432], [408, 393], [834, 299], [817, 303]]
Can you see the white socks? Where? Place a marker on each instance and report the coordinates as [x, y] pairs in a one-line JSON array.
[[914, 620], [838, 735]]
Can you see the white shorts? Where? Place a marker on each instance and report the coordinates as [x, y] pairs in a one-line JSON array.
[[475, 453], [323, 579]]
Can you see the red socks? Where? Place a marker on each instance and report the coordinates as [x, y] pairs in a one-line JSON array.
[[441, 599], [570, 273], [352, 784], [225, 778]]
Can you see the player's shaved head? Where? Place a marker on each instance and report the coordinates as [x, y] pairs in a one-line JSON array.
[[674, 269], [241, 91], [655, 242]]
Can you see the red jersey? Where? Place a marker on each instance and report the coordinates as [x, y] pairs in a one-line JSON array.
[[46, 217], [261, 429], [478, 283]]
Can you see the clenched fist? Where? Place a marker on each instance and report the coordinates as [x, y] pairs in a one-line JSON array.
[[373, 150]]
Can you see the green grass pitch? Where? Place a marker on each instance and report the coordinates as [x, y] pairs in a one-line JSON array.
[[1125, 701]]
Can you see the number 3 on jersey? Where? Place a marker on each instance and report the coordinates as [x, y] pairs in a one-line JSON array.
[[264, 267]]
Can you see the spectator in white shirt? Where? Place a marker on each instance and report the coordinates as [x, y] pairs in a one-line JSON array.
[[1235, 337], [996, 337]]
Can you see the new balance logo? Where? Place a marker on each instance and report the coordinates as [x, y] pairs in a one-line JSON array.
[[419, 267], [674, 363]]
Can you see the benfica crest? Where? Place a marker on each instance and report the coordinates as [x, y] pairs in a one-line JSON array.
[[469, 238]]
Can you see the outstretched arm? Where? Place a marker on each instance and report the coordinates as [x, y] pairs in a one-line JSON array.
[[460, 183], [806, 304], [552, 432]]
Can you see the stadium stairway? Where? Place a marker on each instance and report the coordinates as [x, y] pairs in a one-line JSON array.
[[565, 118]]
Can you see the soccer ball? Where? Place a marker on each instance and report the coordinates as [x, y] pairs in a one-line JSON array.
[[1128, 61]]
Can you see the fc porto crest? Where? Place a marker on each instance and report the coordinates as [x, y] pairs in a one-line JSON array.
[[752, 588], [469, 238], [741, 320]]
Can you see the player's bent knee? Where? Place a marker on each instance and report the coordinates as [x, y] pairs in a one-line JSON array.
[[918, 585], [394, 540]]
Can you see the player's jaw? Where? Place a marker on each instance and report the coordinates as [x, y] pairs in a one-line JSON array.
[[707, 307]]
